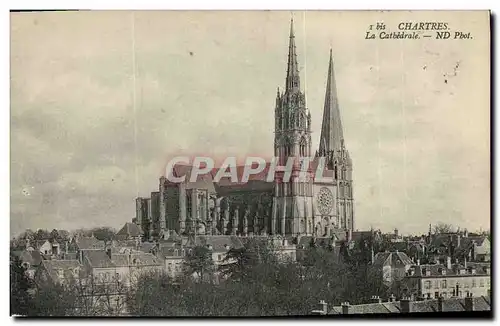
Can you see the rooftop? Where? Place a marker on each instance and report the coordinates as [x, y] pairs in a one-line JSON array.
[[482, 303]]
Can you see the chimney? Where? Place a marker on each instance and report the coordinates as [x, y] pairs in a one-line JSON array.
[[375, 299], [418, 271], [458, 240], [474, 250], [418, 262], [465, 262], [209, 246], [80, 256], [322, 308], [448, 262], [405, 305], [392, 298], [345, 308], [440, 304], [469, 303]]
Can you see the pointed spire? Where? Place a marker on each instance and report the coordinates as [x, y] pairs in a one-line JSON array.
[[331, 131], [292, 74]]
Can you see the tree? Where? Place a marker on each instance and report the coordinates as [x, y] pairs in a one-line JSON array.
[[81, 296], [103, 233], [21, 286], [27, 234], [41, 234], [54, 235], [235, 262], [53, 300], [239, 261], [199, 262], [443, 228]]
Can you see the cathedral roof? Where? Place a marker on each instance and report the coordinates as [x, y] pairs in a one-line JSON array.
[[226, 181], [203, 181]]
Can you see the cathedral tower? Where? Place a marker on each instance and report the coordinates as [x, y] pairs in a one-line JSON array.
[[332, 147], [292, 202]]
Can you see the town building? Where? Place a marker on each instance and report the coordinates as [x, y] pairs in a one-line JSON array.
[[30, 260], [459, 245], [85, 243], [47, 247], [125, 268], [393, 265], [174, 260], [449, 280], [130, 231], [59, 271]]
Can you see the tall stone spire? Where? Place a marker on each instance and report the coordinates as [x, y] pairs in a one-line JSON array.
[[332, 136], [292, 74]]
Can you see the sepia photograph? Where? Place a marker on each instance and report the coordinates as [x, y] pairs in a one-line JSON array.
[[257, 163]]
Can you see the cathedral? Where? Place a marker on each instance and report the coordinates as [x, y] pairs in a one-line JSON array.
[[306, 206]]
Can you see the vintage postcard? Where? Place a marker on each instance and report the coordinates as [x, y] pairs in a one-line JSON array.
[[250, 163]]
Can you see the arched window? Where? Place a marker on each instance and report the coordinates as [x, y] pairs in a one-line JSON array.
[[287, 151], [302, 148], [302, 121]]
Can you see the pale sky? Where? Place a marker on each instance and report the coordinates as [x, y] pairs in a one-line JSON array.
[[100, 100]]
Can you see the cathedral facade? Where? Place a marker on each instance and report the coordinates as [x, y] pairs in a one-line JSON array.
[[302, 206]]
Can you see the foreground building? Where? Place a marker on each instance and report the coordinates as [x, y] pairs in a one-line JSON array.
[[258, 207], [405, 306]]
